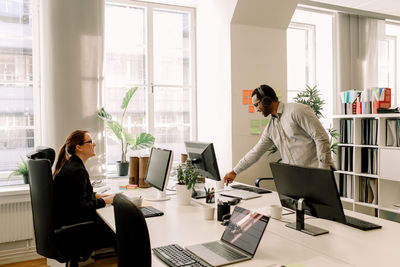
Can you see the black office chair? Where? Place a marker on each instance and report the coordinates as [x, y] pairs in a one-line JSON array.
[[133, 241], [67, 244], [258, 180]]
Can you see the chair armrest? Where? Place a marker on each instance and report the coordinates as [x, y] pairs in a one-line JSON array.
[[258, 180], [75, 228]]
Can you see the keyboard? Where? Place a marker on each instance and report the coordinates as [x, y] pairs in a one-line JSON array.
[[251, 189], [360, 224], [175, 256], [151, 212], [224, 251]]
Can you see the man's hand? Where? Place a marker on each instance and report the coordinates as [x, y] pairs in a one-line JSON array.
[[229, 177]]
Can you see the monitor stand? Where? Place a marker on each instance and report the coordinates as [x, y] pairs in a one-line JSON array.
[[161, 196], [299, 225]]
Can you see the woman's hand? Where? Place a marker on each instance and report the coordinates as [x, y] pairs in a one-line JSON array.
[[98, 195], [108, 199], [229, 177]]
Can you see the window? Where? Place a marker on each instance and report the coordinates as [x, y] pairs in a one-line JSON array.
[[151, 46], [389, 61], [16, 86], [309, 56]]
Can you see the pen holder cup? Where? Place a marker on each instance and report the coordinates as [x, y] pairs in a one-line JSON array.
[[210, 197], [223, 209]]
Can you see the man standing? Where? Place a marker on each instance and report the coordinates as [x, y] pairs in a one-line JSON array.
[[294, 129]]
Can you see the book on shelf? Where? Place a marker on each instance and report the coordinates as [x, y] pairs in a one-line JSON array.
[[369, 131], [346, 131], [369, 160], [391, 132], [368, 190]]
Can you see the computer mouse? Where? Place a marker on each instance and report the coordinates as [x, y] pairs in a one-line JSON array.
[[234, 201]]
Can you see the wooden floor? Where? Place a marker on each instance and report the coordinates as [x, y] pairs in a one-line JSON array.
[[106, 262]]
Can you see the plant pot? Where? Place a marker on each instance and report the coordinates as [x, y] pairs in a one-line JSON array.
[[183, 194], [26, 179], [122, 168]]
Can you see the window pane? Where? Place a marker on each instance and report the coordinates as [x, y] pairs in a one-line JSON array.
[[134, 121], [171, 48], [172, 113], [296, 59], [125, 56], [16, 91]]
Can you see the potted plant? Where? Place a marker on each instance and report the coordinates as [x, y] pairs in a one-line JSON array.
[[187, 178], [140, 141], [22, 169]]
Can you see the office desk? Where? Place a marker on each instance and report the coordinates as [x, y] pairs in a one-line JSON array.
[[343, 246]]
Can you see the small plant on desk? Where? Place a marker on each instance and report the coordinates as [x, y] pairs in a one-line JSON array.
[[187, 175]]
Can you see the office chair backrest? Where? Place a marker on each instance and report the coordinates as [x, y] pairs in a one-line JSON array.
[[43, 152], [133, 241], [41, 189]]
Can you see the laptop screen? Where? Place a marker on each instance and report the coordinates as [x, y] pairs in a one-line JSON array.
[[245, 229]]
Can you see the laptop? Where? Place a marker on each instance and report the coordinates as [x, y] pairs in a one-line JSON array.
[[240, 194], [239, 241]]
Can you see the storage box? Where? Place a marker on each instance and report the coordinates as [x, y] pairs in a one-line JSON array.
[[385, 103]]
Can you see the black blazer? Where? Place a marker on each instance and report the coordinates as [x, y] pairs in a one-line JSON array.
[[73, 194]]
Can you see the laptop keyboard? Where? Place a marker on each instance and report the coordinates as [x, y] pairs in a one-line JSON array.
[[360, 224], [224, 251], [175, 256], [251, 189], [151, 212]]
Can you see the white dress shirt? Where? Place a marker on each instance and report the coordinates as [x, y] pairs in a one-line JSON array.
[[299, 136]]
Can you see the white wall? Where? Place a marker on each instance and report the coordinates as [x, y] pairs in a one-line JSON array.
[[234, 57], [214, 111], [71, 37]]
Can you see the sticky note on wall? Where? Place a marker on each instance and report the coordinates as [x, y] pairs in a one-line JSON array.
[[255, 127], [251, 109], [264, 122]]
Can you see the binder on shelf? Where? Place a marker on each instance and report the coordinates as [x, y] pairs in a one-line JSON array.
[[398, 132]]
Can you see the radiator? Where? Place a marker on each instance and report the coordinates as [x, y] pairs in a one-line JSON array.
[[15, 222]]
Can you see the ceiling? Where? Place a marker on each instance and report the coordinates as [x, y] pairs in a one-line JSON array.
[[389, 7]]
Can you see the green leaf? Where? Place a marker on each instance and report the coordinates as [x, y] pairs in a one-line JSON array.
[[116, 128], [128, 97], [104, 115], [129, 139], [143, 140], [21, 169]]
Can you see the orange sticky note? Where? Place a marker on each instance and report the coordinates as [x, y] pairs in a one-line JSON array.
[[245, 100], [247, 93], [251, 109]]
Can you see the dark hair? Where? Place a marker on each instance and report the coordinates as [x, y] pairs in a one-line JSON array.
[[75, 138], [268, 91]]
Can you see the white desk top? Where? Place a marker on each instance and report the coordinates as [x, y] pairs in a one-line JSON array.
[[343, 246]]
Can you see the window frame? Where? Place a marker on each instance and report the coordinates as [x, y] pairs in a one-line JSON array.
[[36, 85], [149, 83]]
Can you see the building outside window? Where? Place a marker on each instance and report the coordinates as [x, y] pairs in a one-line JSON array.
[[151, 46], [310, 56], [389, 60], [16, 85]]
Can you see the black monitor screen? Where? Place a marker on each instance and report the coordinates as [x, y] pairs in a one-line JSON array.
[[158, 168], [203, 157], [316, 186]]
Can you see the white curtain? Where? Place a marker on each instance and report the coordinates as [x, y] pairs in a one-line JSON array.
[[358, 41], [71, 60]]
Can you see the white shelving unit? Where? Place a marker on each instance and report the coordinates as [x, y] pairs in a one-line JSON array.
[[388, 168]]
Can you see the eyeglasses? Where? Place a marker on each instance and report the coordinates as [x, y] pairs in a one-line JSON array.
[[89, 142], [256, 104]]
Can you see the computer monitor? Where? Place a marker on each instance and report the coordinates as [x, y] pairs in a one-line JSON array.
[[158, 170], [308, 190], [202, 155]]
